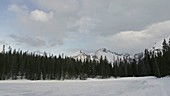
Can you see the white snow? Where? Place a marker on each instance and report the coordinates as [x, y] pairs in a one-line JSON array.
[[158, 45], [111, 56], [132, 86], [80, 55]]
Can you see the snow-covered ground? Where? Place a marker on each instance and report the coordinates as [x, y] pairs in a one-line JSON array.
[[143, 86]]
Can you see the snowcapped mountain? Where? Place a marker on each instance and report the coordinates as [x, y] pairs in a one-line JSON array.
[[80, 56], [103, 52], [111, 56], [158, 45]]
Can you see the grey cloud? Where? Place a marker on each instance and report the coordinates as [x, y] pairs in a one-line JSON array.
[[51, 29], [98, 18], [132, 15], [135, 41], [59, 6], [3, 43], [112, 16], [31, 41]]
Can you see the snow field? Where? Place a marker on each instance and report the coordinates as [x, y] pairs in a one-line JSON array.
[[132, 86]]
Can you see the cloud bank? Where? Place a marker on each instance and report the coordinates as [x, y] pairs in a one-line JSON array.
[[135, 41], [123, 26]]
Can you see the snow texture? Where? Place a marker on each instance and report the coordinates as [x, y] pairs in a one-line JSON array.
[[158, 45], [111, 56], [132, 86]]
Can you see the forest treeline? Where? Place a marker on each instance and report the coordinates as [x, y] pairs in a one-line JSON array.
[[16, 64]]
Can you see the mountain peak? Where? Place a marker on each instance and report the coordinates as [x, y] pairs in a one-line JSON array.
[[111, 56], [104, 50], [80, 55]]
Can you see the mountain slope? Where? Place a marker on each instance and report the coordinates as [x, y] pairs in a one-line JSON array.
[[111, 56], [158, 45], [80, 56], [103, 52]]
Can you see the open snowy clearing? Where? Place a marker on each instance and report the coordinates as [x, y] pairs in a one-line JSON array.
[[142, 86]]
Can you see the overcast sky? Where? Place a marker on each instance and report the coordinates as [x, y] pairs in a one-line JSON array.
[[65, 26]]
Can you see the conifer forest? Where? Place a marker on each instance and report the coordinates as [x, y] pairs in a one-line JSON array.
[[16, 64]]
